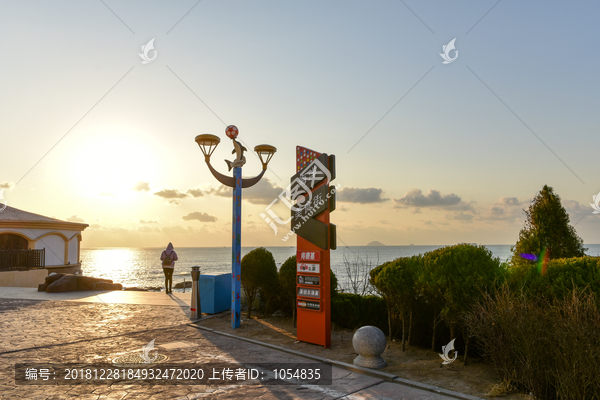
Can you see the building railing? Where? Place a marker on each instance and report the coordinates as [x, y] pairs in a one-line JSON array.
[[22, 260]]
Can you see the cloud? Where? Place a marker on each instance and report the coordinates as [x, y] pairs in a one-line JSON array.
[[505, 209], [510, 201], [360, 195], [497, 211], [264, 192], [142, 186], [575, 207], [222, 191], [95, 226], [142, 221], [174, 230], [117, 229], [437, 221], [171, 194], [434, 199], [6, 185], [200, 216], [195, 192], [144, 229], [75, 218], [107, 194], [577, 211], [460, 216]]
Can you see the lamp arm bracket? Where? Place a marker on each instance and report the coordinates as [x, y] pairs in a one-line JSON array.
[[246, 183], [224, 179], [230, 181]]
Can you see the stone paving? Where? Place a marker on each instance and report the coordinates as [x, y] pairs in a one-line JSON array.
[[33, 331]]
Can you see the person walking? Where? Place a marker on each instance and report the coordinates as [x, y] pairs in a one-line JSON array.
[[168, 258]]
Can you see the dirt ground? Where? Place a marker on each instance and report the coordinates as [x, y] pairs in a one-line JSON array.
[[417, 364]]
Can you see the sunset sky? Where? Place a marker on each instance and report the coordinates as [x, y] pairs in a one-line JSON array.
[[427, 153]]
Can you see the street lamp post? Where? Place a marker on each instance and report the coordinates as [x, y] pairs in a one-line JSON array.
[[208, 143]]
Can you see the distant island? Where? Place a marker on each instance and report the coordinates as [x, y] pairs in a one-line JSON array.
[[376, 244]]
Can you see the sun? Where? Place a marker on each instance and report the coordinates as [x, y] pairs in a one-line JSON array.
[[111, 161]]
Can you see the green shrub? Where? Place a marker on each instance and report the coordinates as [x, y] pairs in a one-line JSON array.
[[259, 273], [561, 277], [440, 285], [353, 311], [565, 274], [395, 281], [333, 283], [287, 285], [383, 289], [453, 279]]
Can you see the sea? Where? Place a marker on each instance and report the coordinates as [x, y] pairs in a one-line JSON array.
[[141, 267]]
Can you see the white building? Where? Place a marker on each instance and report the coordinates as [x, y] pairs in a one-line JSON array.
[[32, 246]]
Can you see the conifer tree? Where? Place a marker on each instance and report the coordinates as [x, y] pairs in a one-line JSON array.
[[547, 227]]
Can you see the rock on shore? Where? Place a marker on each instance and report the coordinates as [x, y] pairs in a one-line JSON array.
[[58, 283]]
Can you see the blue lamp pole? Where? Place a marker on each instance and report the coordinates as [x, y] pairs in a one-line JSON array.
[[208, 143], [236, 250]]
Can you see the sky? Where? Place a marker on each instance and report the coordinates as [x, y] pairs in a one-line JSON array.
[[426, 152]]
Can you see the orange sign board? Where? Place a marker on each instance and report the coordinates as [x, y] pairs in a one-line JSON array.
[[309, 305], [309, 292], [308, 256], [314, 241], [309, 267]]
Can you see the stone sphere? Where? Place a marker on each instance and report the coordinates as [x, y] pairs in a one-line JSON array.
[[369, 342]]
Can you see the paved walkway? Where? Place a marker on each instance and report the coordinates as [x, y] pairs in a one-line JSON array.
[[91, 296], [95, 327]]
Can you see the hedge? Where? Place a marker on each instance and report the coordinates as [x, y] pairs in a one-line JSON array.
[[353, 311]]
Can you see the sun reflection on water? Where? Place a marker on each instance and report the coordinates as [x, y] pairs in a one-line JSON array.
[[128, 266]]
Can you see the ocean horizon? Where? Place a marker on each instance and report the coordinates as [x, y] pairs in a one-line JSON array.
[[141, 267]]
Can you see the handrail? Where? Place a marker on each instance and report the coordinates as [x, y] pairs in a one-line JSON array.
[[22, 260]]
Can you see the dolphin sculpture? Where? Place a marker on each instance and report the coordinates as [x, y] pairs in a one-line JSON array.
[[240, 160]]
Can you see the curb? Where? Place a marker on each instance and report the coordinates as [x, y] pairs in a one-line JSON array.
[[362, 370]]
